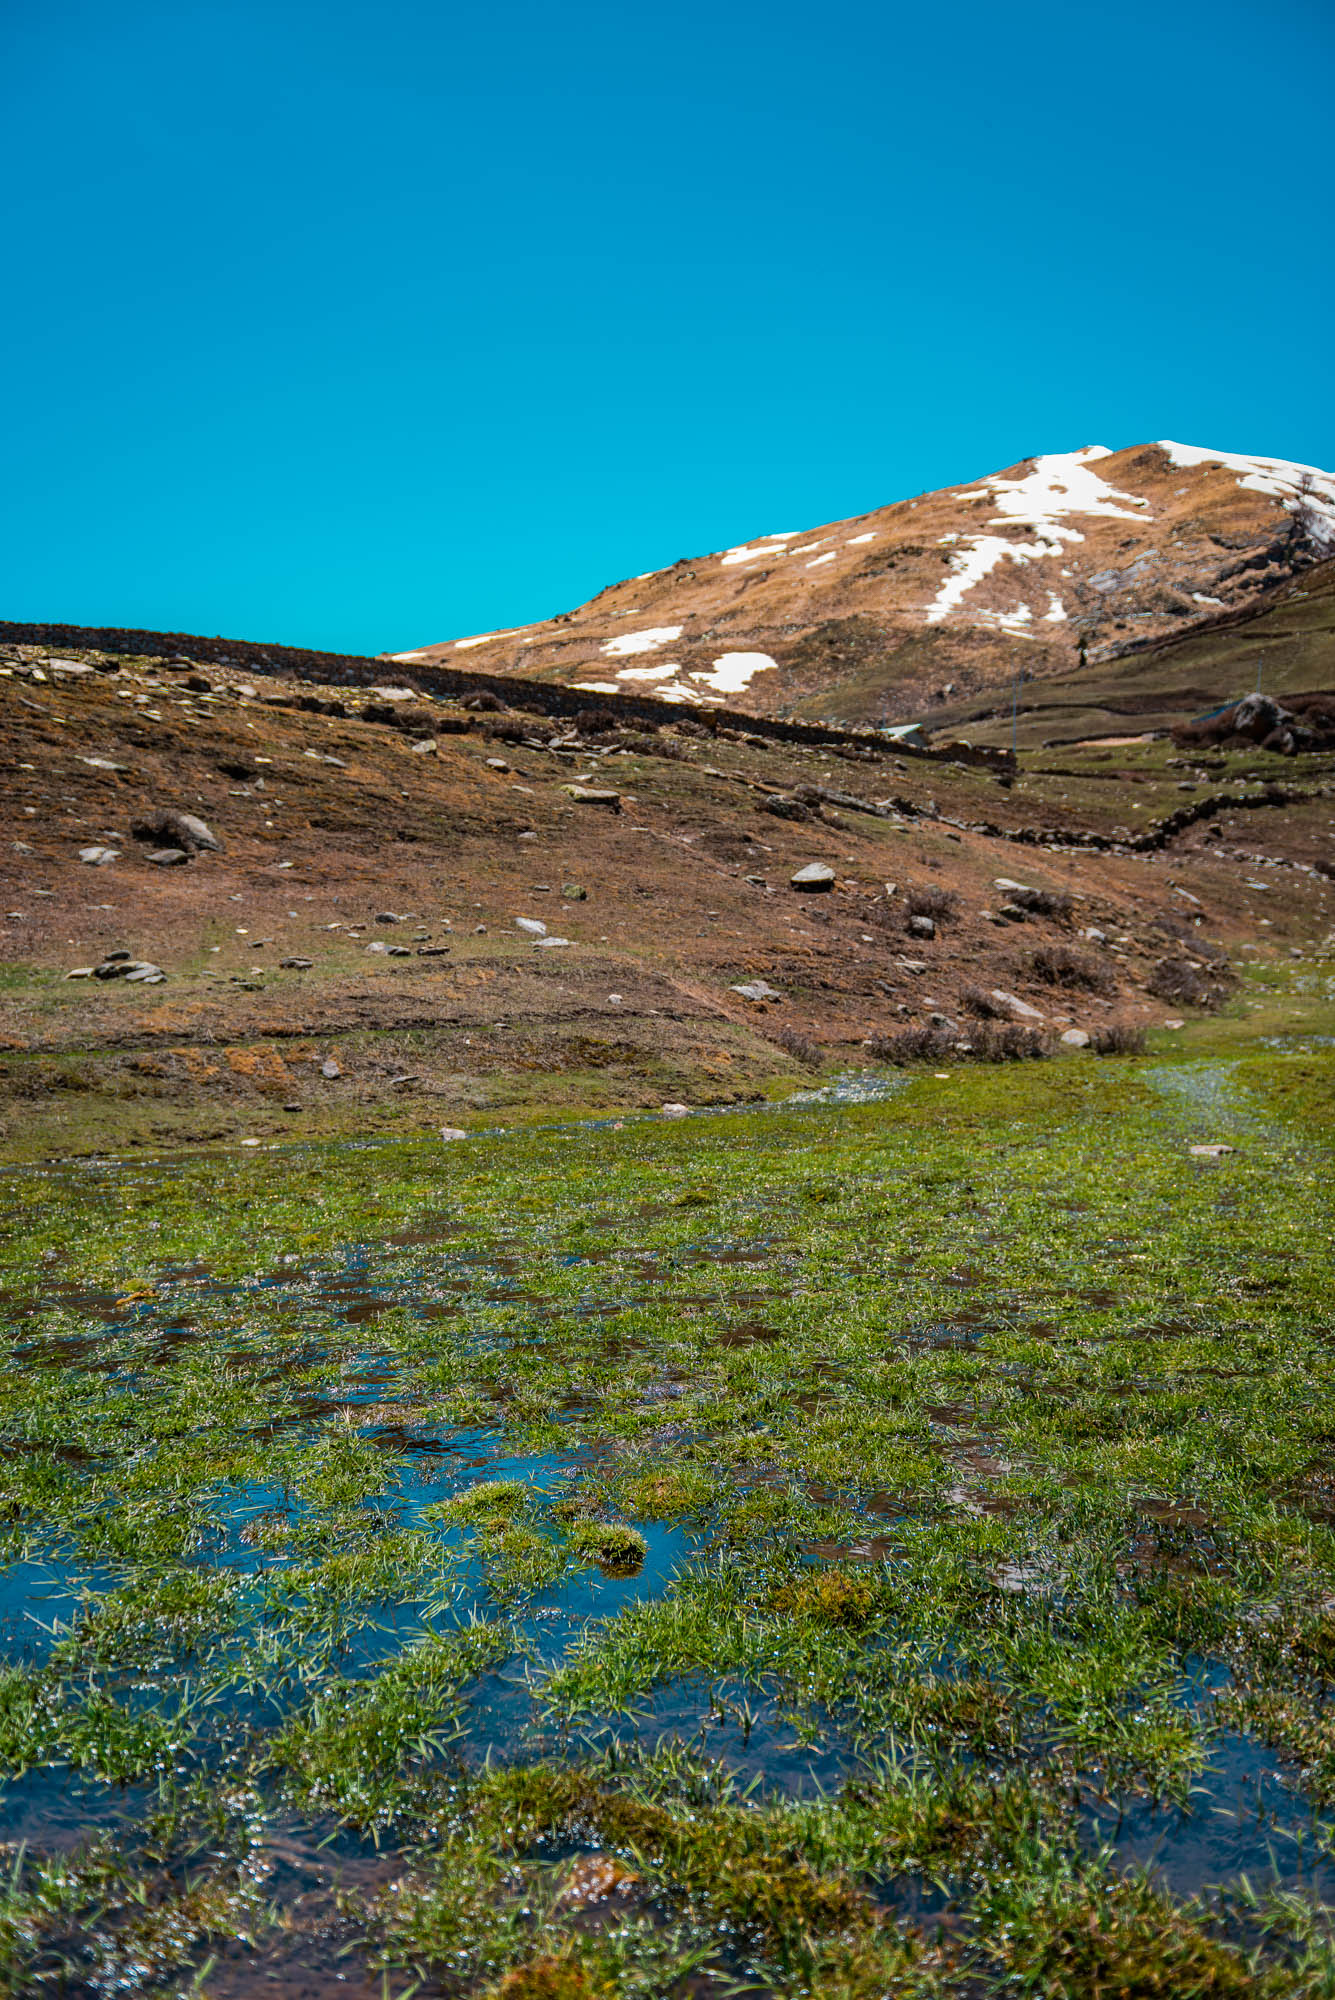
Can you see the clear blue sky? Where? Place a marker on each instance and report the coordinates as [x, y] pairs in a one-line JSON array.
[[362, 325]]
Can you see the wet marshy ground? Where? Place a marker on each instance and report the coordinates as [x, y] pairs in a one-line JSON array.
[[880, 1546]]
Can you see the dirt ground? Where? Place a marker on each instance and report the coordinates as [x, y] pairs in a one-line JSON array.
[[395, 844]]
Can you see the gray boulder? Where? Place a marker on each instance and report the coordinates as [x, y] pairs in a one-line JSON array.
[[813, 879]]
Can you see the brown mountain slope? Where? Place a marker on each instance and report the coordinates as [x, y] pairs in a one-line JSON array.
[[351, 957], [1056, 564]]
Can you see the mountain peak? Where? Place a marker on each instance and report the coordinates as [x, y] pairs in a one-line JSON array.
[[1065, 556]]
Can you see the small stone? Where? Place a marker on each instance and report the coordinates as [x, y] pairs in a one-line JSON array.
[[400, 950], [167, 857], [756, 989], [98, 857], [388, 917], [80, 972], [452, 1132], [913, 965], [377, 944], [330, 1068], [249, 1142], [528, 836], [144, 974], [433, 951], [425, 746], [813, 879], [1011, 913], [531, 926], [613, 999], [296, 964], [550, 943], [573, 893], [593, 795], [1076, 1038], [1019, 1009], [291, 1107], [1175, 1024], [676, 1110], [922, 927], [497, 764], [1215, 1151]]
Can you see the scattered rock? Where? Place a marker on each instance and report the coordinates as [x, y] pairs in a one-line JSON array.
[[452, 1132], [399, 950], [676, 1110], [425, 746], [330, 1068], [388, 917], [592, 795], [1175, 1024], [756, 989], [496, 764], [377, 944], [167, 857], [98, 857], [143, 973], [528, 836], [168, 827], [531, 926], [813, 879], [433, 951], [573, 893], [550, 943], [296, 964], [1076, 1038], [1215, 1151], [922, 927], [80, 972], [1019, 1010], [915, 966]]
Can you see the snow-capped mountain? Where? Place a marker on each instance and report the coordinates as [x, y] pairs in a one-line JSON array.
[[1069, 556]]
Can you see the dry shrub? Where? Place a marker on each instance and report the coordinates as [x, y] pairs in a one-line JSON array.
[[980, 1006], [596, 721], [1118, 1038], [1001, 1041], [1058, 966], [1043, 902], [930, 902], [800, 1047], [1184, 984]]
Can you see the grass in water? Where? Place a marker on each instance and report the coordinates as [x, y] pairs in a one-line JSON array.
[[885, 1549]]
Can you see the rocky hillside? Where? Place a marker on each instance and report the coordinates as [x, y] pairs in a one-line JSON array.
[[242, 903], [1057, 565]]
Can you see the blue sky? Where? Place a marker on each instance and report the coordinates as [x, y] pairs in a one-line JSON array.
[[364, 325]]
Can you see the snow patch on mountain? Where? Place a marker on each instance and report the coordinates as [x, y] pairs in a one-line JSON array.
[[1061, 484], [647, 641], [1281, 478], [732, 671]]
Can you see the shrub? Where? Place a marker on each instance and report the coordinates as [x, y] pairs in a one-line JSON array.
[[1185, 984], [980, 1005], [931, 902], [597, 721], [800, 1047], [1118, 1038], [994, 1041], [1058, 966]]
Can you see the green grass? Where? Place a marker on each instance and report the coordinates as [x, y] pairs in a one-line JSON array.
[[823, 1516]]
